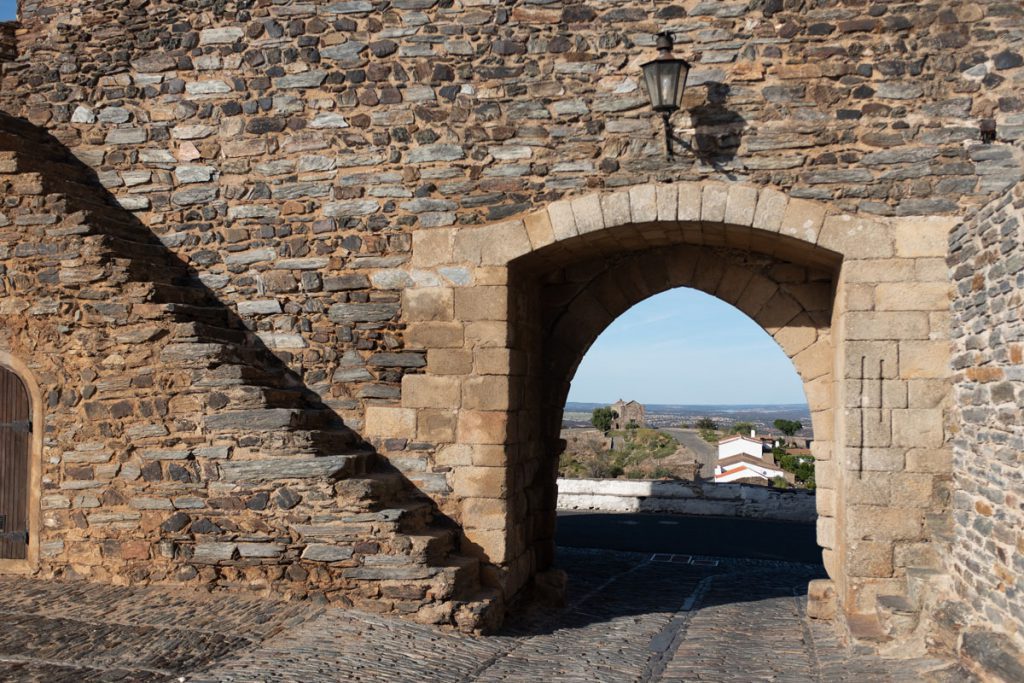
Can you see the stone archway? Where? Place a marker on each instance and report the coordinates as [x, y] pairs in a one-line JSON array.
[[875, 370]]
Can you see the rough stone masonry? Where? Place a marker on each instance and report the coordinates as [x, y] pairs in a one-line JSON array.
[[298, 286]]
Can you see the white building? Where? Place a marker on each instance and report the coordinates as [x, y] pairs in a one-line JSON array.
[[743, 458], [735, 445]]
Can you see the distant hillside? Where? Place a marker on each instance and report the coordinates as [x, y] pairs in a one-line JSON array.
[[660, 415]]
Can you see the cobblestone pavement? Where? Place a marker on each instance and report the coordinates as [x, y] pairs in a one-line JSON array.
[[631, 617]]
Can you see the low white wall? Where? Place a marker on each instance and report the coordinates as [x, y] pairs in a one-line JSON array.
[[687, 498]]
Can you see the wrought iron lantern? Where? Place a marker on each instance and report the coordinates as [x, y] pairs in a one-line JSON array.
[[665, 77]]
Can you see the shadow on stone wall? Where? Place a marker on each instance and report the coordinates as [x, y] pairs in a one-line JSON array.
[[718, 130], [283, 493]]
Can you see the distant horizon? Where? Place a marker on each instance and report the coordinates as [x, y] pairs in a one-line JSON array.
[[802, 404]]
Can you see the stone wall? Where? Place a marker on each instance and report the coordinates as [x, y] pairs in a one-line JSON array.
[[687, 498], [177, 447], [332, 177], [987, 260]]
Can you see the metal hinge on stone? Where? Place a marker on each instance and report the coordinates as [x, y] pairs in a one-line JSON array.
[[18, 426], [12, 535]]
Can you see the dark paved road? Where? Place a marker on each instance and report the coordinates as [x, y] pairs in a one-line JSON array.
[[718, 536]]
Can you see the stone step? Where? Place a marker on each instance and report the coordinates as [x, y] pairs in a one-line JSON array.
[[204, 332], [482, 613], [377, 489], [948, 620], [866, 628], [897, 616], [430, 546], [212, 315], [281, 468], [249, 397], [924, 583]]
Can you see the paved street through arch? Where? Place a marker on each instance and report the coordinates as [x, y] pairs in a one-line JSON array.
[[631, 617]]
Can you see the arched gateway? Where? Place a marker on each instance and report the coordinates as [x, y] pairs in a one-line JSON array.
[[858, 303]]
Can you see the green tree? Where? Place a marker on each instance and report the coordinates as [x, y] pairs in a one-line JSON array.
[[788, 427], [602, 418], [706, 423], [742, 427]]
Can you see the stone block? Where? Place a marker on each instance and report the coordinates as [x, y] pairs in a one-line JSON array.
[[588, 214], [481, 303], [912, 296], [713, 201], [868, 325], [770, 210], [563, 222], [616, 210], [689, 205], [454, 455], [213, 552], [821, 599], [484, 455], [882, 459], [483, 427], [494, 361], [778, 311], [480, 482], [741, 204], [435, 426], [494, 244], [270, 469], [884, 523], [803, 219], [870, 559], [434, 335], [643, 203], [918, 428], [487, 333], [487, 544], [390, 422], [870, 360], [927, 393], [484, 513], [325, 552], [930, 460], [924, 359], [538, 229], [856, 237], [667, 200], [428, 391], [796, 336], [734, 280], [816, 360], [490, 392], [428, 304], [873, 271], [826, 535], [759, 290], [923, 237]]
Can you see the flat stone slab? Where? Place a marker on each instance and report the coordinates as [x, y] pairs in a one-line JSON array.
[[287, 468]]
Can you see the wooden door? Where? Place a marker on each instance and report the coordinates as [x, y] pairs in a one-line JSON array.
[[15, 448]]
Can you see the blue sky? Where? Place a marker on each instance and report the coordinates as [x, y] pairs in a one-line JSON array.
[[684, 346], [8, 9]]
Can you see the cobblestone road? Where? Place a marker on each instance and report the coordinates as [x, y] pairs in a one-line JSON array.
[[632, 617]]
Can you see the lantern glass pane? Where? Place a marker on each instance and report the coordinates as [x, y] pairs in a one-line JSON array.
[[651, 80], [681, 85]]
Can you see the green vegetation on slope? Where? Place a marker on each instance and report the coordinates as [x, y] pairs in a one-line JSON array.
[[632, 458]]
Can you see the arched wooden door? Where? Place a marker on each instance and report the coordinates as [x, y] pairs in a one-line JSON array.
[[15, 466]]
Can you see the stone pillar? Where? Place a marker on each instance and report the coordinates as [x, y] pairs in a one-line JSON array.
[[893, 381]]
